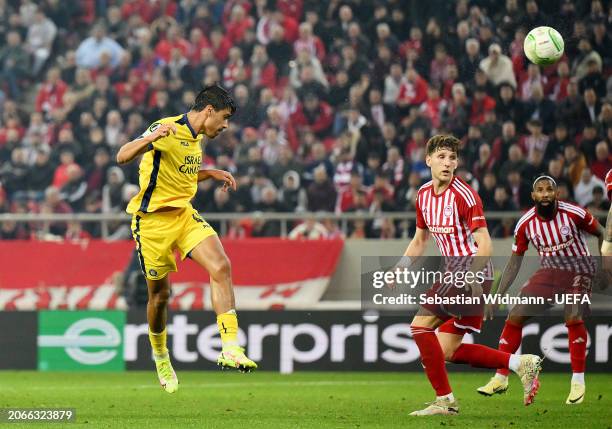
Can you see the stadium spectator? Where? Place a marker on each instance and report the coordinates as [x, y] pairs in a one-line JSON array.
[[470, 61], [263, 72], [593, 79], [377, 112], [269, 203], [308, 81], [392, 84], [53, 204], [536, 140], [501, 145], [40, 174], [569, 109], [599, 201], [485, 162], [279, 50], [603, 160], [14, 63], [520, 191], [112, 191], [588, 140], [487, 190], [291, 196], [591, 107], [532, 78], [347, 196], [412, 92], [455, 116], [574, 163], [556, 145], [321, 193], [583, 191], [310, 229], [501, 203], [73, 191], [353, 63], [557, 84], [90, 52], [13, 173], [498, 67], [307, 74], [313, 115], [309, 42], [238, 24], [580, 66], [40, 38], [535, 164], [541, 108], [395, 166]]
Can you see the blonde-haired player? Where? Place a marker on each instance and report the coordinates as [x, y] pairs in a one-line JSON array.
[[164, 220]]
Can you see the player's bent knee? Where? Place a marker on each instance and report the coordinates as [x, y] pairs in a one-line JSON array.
[[573, 318], [449, 352], [516, 319], [160, 299], [449, 344], [222, 269], [424, 321]]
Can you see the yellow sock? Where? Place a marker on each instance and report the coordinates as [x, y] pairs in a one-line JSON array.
[[158, 343], [228, 328]]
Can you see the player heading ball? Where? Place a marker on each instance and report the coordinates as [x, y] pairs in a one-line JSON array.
[[164, 220]]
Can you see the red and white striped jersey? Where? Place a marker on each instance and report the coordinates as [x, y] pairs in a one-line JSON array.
[[451, 217], [560, 241], [609, 184]]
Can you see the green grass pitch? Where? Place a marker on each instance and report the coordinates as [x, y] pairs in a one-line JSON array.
[[303, 400]]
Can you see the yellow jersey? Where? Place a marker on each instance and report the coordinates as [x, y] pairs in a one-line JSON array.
[[168, 171]]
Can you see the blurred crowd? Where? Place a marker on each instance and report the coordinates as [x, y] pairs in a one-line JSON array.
[[336, 100]]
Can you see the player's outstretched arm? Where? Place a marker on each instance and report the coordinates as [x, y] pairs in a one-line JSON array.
[[508, 276], [606, 245], [485, 249], [418, 243], [225, 176], [138, 146], [415, 249], [483, 240], [606, 251], [600, 234], [482, 256], [510, 272]]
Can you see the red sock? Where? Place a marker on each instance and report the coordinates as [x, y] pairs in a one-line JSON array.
[[577, 336], [510, 341], [432, 358], [480, 356]]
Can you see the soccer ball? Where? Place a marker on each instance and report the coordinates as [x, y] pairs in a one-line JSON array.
[[543, 46]]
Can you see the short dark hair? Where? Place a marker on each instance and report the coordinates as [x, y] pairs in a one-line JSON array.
[[538, 179], [442, 141], [215, 96]]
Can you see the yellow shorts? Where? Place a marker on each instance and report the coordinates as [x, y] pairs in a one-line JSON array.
[[157, 234]]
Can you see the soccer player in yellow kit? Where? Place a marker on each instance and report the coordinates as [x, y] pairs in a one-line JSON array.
[[164, 220]]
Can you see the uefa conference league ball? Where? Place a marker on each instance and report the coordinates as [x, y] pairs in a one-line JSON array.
[[543, 46]]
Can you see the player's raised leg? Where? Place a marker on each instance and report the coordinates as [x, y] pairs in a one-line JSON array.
[[432, 357], [159, 293], [210, 255], [527, 367], [509, 342]]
